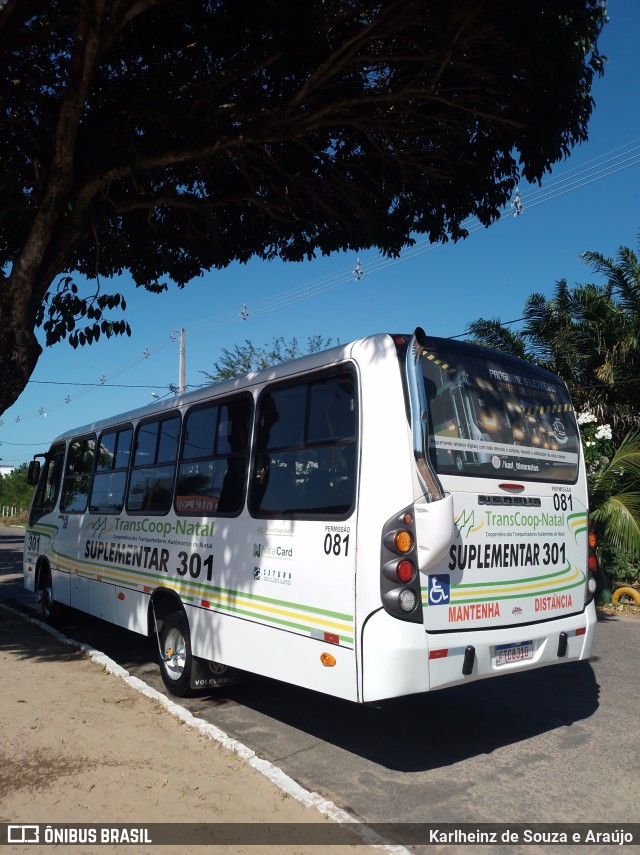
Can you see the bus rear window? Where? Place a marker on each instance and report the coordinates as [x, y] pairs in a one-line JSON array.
[[494, 420]]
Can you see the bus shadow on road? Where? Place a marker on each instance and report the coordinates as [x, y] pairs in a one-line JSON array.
[[422, 732]]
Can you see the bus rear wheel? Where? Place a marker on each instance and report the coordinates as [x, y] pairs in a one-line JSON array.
[[176, 660]]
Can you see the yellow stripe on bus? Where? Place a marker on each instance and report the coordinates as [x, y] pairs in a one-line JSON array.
[[238, 599], [513, 588]]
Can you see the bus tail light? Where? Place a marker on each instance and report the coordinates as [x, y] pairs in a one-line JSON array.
[[399, 578], [592, 563], [407, 600], [400, 541], [405, 570]]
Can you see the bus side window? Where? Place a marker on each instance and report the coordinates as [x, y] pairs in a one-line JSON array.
[[213, 463], [154, 465], [305, 450], [77, 477], [110, 479], [48, 488]]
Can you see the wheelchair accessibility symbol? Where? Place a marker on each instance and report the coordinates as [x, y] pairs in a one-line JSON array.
[[438, 590]]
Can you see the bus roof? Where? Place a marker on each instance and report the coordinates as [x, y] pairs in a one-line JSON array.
[[311, 362]]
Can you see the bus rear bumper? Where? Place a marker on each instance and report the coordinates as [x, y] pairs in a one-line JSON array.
[[456, 658], [399, 658]]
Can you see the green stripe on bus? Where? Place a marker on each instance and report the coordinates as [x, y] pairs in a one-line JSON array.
[[192, 583], [544, 593], [566, 569]]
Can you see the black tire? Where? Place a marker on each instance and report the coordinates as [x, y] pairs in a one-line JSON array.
[[51, 611], [176, 660]]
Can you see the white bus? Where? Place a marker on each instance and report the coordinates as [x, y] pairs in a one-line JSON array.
[[334, 522]]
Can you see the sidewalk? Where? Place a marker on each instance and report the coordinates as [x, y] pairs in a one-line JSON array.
[[81, 745]]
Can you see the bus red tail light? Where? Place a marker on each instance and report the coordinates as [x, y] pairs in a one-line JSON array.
[[405, 570]]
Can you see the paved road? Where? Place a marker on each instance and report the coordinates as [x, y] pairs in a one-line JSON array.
[[558, 744]]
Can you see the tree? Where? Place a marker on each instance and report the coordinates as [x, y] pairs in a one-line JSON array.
[[166, 137], [614, 497], [15, 490], [589, 335], [245, 358]]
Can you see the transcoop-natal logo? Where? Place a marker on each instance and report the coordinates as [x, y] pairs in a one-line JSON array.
[[192, 528], [261, 550], [465, 523], [274, 531], [100, 526]]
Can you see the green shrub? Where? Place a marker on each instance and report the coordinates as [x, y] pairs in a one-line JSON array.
[[618, 566]]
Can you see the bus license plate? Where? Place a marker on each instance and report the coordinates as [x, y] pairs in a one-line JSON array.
[[507, 653]]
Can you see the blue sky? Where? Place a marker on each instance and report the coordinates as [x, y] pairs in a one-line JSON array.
[[591, 201]]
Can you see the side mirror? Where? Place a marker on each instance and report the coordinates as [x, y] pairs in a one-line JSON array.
[[33, 473]]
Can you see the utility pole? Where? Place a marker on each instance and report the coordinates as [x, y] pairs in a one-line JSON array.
[[181, 380]]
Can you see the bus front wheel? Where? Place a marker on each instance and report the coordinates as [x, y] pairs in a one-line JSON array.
[[51, 611], [176, 661]]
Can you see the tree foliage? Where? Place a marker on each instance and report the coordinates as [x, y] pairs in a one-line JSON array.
[[166, 137], [614, 497], [15, 491], [247, 357], [589, 335]]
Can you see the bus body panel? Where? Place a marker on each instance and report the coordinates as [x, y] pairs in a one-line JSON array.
[[132, 608], [514, 559], [255, 647], [295, 576], [396, 658], [387, 484], [62, 586]]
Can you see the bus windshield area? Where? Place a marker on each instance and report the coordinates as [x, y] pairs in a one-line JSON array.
[[493, 419]]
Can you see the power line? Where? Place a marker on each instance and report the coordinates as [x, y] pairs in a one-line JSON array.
[[112, 385]]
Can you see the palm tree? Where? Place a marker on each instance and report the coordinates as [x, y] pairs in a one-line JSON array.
[[621, 363], [614, 497], [589, 335], [494, 334]]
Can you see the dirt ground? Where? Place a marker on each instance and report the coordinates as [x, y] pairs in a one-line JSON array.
[[80, 745]]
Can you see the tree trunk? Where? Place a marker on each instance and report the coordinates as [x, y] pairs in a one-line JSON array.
[[18, 342]]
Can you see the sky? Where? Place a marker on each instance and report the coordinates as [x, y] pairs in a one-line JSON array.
[[590, 201]]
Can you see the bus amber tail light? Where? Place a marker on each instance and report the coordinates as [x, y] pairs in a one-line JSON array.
[[400, 541]]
